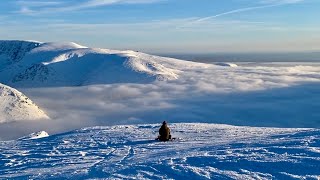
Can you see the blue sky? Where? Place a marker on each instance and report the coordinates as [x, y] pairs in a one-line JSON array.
[[168, 26]]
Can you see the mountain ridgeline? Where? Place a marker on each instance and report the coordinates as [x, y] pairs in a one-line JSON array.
[[35, 64]]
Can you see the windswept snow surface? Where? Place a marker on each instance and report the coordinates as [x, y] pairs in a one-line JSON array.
[[16, 106], [204, 151]]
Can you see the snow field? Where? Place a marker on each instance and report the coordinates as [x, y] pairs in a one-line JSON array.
[[205, 151]]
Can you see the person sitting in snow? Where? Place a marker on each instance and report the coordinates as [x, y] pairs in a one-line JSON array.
[[164, 132]]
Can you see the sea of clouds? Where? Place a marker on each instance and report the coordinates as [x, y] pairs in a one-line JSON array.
[[273, 95]]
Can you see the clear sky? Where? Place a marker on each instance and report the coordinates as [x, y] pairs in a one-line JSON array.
[[167, 26]]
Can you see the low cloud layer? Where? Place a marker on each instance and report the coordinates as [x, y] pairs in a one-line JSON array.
[[276, 95]]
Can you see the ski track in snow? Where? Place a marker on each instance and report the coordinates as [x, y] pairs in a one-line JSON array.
[[205, 151]]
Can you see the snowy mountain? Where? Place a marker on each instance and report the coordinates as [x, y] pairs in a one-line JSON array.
[[204, 151], [70, 64], [16, 106]]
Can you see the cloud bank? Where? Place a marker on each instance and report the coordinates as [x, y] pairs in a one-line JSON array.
[[275, 95]]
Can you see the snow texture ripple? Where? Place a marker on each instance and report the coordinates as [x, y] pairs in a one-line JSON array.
[[204, 151]]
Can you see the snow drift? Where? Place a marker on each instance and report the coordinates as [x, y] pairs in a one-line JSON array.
[[36, 135], [16, 106]]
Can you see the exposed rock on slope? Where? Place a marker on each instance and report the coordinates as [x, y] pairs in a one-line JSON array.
[[14, 51]]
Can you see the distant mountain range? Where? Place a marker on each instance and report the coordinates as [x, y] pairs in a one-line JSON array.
[[35, 64]]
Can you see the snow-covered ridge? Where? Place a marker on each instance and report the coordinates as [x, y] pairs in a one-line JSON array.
[[16, 106], [202, 151], [70, 64]]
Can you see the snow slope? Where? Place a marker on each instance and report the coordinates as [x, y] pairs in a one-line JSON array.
[[205, 151], [16, 106], [14, 51]]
